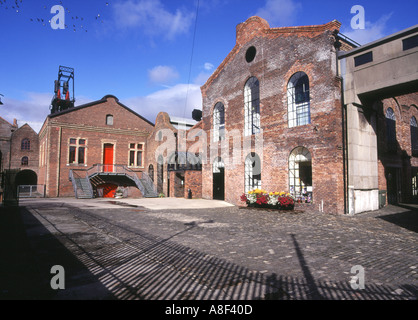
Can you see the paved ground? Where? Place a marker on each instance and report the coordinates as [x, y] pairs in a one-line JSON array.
[[168, 249]]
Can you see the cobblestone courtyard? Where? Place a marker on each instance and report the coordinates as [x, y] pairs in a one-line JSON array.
[[131, 252]]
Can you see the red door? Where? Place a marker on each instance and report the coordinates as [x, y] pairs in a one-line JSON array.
[[108, 157], [109, 190]]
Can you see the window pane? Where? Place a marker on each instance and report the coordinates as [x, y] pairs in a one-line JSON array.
[[82, 142], [72, 155], [132, 146], [139, 159], [73, 141], [81, 155], [132, 158], [139, 146], [25, 144]]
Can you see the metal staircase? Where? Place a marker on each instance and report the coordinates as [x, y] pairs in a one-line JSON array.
[[81, 185], [84, 180]]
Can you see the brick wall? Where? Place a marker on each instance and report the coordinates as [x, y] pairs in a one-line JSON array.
[[404, 107], [88, 122], [280, 54]]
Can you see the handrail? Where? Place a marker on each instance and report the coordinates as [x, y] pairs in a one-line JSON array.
[[147, 178], [115, 169]]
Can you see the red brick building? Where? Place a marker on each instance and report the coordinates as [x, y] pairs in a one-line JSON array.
[[93, 149], [273, 110]]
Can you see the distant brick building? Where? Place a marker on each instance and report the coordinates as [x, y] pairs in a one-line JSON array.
[[19, 156]]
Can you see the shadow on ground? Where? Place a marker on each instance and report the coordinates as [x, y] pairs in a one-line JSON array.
[[143, 266], [407, 219]]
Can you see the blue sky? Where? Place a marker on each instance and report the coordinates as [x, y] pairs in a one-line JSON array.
[[142, 51]]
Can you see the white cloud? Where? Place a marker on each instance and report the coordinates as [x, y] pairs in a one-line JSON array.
[[33, 110], [162, 74], [372, 31], [152, 18], [279, 13], [208, 66], [179, 101]]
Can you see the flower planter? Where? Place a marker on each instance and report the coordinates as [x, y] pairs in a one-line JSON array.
[[274, 200]]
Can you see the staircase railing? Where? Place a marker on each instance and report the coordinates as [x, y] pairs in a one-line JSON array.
[[74, 175], [112, 169], [148, 180]]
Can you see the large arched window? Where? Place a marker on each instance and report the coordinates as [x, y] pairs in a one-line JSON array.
[[300, 174], [252, 172], [252, 107], [390, 129], [414, 137], [298, 100], [218, 122], [25, 144]]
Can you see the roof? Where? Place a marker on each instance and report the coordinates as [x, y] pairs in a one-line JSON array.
[[256, 26], [104, 99]]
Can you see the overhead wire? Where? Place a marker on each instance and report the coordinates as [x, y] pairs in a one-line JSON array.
[[191, 58]]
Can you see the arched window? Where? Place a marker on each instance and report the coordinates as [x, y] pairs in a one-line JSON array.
[[252, 106], [390, 129], [414, 137], [298, 100], [218, 165], [252, 172], [25, 161], [25, 144], [109, 120], [300, 174], [218, 122]]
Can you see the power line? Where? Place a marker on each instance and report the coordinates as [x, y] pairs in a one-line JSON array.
[[191, 58]]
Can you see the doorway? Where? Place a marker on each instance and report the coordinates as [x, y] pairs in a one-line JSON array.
[[393, 180], [218, 179], [108, 153]]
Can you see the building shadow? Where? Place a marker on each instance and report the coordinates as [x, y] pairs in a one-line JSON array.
[[407, 219], [26, 262]]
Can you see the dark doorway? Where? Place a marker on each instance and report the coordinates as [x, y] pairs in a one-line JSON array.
[[393, 185], [26, 177], [219, 184], [160, 174]]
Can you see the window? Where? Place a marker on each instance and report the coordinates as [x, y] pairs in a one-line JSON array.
[[77, 151], [218, 122], [300, 174], [250, 54], [25, 144], [252, 172], [25, 161], [252, 106], [136, 152], [109, 120], [414, 137], [218, 165], [391, 130], [363, 59], [410, 43], [298, 100]]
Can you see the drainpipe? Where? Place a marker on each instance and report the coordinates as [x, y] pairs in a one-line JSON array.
[[59, 161], [337, 46]]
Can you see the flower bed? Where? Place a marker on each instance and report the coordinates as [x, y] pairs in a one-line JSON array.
[[274, 200]]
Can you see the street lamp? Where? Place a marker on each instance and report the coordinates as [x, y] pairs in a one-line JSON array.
[[1, 103]]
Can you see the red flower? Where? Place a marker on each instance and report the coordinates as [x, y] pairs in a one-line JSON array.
[[244, 198]]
